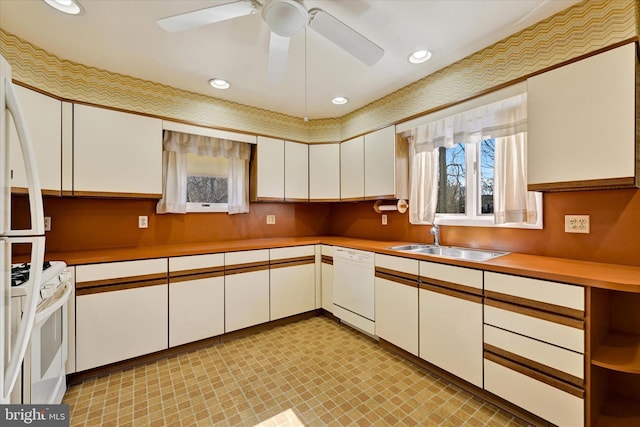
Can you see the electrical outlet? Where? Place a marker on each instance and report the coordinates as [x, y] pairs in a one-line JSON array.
[[143, 221], [384, 219], [576, 224], [47, 223], [271, 219]]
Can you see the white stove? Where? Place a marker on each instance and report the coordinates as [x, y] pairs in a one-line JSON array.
[[43, 370], [54, 276]]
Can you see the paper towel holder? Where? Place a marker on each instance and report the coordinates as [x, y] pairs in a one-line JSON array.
[[401, 206]]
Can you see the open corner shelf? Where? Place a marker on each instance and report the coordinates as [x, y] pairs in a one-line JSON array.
[[619, 411], [620, 352]]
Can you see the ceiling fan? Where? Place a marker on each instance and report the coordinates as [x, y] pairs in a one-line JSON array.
[[284, 18]]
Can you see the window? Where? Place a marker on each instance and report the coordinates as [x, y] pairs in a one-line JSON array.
[[207, 183], [461, 193], [470, 168]]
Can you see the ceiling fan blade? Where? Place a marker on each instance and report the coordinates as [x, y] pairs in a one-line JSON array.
[[345, 37], [198, 18], [277, 62]]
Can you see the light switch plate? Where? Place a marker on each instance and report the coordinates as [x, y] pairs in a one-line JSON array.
[[47, 223], [271, 219], [143, 221], [576, 224], [384, 219]]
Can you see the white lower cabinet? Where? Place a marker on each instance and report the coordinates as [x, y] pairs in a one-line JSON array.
[[451, 319], [196, 298], [246, 289], [533, 346], [327, 277], [293, 288], [121, 311], [396, 301]]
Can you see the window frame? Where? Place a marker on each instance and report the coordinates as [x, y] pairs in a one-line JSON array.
[[203, 207], [474, 217]]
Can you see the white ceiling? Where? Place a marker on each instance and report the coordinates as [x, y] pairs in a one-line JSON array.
[[123, 37]]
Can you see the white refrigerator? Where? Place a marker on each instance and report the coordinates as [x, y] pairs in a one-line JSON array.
[[15, 334]]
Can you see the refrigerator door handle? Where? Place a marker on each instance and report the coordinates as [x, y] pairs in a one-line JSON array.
[[33, 180], [27, 320]]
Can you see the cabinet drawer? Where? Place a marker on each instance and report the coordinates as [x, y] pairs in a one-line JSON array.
[[525, 322], [121, 270], [292, 252], [468, 277], [246, 257], [398, 264], [556, 361], [553, 404], [195, 262], [552, 294]]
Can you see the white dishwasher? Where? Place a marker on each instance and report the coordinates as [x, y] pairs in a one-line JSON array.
[[353, 288]]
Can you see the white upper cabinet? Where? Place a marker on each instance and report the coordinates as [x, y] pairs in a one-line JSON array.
[[379, 163], [43, 116], [352, 169], [116, 152], [324, 172], [296, 171], [582, 123], [269, 177]]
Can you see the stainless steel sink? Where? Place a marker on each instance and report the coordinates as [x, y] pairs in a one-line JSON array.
[[467, 254], [412, 247]]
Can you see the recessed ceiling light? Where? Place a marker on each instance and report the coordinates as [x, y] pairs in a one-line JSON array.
[[219, 83], [340, 100], [71, 7], [419, 56]]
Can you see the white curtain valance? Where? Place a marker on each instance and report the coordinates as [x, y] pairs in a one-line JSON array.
[[205, 145], [495, 120], [504, 121], [174, 169]]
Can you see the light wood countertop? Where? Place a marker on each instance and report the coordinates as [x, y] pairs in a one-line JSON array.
[[600, 275]]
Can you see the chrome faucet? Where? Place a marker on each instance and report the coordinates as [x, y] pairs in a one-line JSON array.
[[435, 230]]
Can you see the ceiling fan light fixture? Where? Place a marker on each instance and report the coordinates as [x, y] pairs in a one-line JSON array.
[[420, 56], [70, 7], [285, 17], [219, 83], [340, 100]]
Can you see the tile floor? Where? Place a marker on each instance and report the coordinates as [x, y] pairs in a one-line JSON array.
[[315, 372]]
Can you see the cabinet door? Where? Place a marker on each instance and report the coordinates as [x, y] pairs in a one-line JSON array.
[[270, 176], [196, 309], [293, 284], [196, 298], [397, 313], [451, 334], [118, 325], [582, 123], [324, 172], [296, 171], [352, 169], [116, 152], [43, 116], [246, 289], [379, 163], [246, 299], [293, 290]]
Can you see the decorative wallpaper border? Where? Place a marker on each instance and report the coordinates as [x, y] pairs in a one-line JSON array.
[[583, 28]]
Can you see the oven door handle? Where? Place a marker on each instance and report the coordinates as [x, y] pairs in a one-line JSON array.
[[52, 306]]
